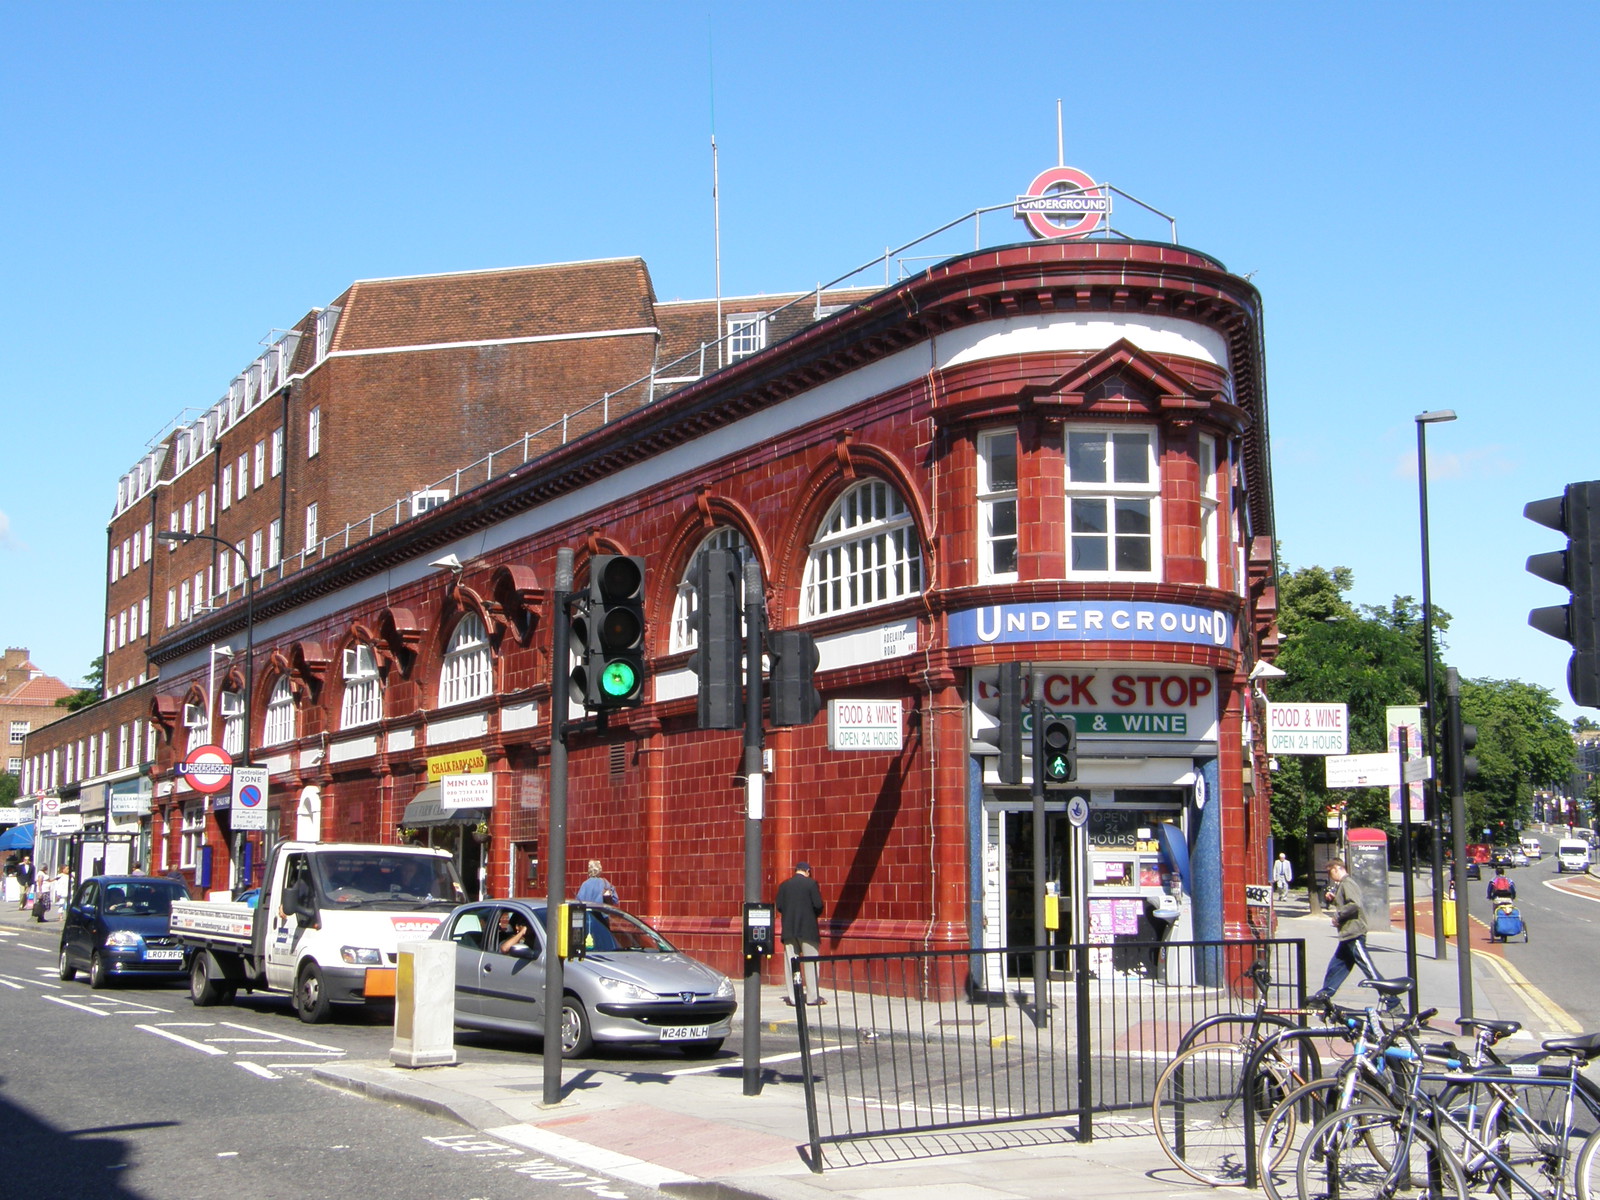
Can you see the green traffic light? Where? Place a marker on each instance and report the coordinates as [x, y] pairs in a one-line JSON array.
[[1058, 767], [618, 679]]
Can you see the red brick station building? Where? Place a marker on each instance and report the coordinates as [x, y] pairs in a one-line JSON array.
[[1052, 452]]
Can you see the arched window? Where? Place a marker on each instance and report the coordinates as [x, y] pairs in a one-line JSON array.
[[725, 537], [280, 715], [232, 705], [196, 724], [467, 673], [866, 552], [363, 697]]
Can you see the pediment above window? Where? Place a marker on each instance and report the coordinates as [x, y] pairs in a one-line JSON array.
[[515, 592], [1120, 378]]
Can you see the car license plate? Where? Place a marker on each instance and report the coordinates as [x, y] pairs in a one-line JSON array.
[[163, 955], [685, 1033]]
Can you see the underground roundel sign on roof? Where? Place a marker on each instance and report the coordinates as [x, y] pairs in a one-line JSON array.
[[207, 769], [1063, 202]]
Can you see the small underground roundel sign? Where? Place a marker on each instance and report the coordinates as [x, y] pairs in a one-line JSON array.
[[207, 769], [1063, 202]]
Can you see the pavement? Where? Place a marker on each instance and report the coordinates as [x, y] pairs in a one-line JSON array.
[[687, 1129]]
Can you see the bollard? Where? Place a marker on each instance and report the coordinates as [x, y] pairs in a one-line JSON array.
[[425, 1005]]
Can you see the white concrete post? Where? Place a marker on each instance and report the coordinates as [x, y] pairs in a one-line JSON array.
[[425, 1005]]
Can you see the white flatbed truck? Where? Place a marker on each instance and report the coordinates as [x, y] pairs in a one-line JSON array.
[[326, 928]]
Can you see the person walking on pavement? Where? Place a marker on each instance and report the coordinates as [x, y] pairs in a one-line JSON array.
[[596, 889], [799, 904], [1350, 919], [1282, 875]]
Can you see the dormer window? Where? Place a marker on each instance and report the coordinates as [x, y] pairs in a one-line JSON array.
[[747, 333], [327, 322]]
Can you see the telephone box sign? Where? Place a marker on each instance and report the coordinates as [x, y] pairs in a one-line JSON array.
[[1063, 202]]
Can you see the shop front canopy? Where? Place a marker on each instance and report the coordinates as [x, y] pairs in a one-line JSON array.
[[18, 837]]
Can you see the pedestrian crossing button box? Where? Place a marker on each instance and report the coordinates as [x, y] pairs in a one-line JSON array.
[[758, 939]]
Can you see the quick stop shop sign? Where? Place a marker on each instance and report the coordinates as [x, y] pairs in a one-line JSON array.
[[1308, 728]]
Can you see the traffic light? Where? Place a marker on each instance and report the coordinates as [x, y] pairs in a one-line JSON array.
[[714, 575], [1576, 513], [794, 658], [1009, 731], [611, 631], [1056, 750], [1459, 738]]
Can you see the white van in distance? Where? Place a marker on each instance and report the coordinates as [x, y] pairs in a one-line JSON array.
[[1533, 848], [1572, 854]]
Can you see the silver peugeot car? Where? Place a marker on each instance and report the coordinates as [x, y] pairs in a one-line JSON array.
[[632, 985]]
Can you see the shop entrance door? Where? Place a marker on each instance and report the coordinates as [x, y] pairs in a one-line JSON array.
[[1020, 889]]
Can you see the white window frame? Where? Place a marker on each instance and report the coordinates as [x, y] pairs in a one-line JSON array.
[[747, 335], [327, 324], [116, 564], [1117, 499], [259, 477], [255, 553], [232, 706], [314, 431], [311, 527], [866, 553], [277, 451], [725, 537], [362, 703], [200, 512], [1210, 467], [191, 834], [227, 486], [467, 672], [279, 726], [144, 616], [183, 601], [997, 508], [274, 543], [172, 607], [19, 732]]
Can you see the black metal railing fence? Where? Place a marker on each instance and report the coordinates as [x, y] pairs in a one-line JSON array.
[[931, 1041]]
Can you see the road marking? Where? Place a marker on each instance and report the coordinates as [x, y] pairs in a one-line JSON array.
[[283, 1037], [14, 986], [182, 1041], [254, 1069], [724, 1066], [44, 983], [74, 1004], [1544, 1008]]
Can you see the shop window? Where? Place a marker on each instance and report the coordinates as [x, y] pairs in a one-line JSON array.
[[866, 553], [1112, 502], [280, 715], [363, 698], [725, 537], [997, 505], [467, 673]]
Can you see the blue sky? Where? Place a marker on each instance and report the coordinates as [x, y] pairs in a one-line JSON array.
[[1410, 186]]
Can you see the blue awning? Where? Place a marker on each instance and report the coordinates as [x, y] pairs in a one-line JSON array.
[[18, 837]]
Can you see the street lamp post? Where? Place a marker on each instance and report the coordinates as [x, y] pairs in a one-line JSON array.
[[174, 538], [1423, 420]]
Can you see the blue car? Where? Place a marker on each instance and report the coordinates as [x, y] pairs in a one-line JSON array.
[[118, 926]]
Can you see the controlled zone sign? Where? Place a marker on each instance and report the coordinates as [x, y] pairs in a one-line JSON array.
[[249, 798], [207, 769], [1308, 728]]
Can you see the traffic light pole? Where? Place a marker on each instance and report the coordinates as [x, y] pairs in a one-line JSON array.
[[556, 855], [1041, 958], [754, 622]]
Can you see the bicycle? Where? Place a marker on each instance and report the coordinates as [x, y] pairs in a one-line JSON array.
[[1420, 1136], [1199, 1105]]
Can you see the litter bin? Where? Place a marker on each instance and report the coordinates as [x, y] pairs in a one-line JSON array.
[[1449, 911]]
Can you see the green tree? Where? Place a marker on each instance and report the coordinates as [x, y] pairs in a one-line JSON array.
[[93, 684], [1368, 658], [1523, 744], [10, 788]]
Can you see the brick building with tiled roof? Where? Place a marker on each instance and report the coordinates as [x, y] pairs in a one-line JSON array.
[[27, 702]]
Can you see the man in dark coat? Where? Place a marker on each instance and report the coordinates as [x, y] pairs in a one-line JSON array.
[[799, 904]]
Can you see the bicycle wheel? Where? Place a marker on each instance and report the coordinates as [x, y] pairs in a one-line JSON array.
[[1199, 1106], [1527, 1129], [1371, 1153], [1587, 1169], [1286, 1128]]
